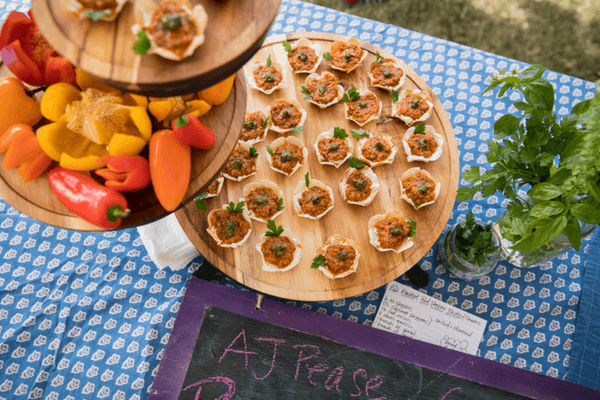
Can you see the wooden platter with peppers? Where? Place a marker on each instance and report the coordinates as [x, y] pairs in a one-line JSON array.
[[144, 171], [308, 280]]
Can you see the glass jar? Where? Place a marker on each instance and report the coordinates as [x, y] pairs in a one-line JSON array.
[[534, 258], [452, 260]]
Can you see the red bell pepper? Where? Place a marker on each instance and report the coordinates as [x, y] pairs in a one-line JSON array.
[[29, 56], [125, 174], [190, 130], [88, 199]]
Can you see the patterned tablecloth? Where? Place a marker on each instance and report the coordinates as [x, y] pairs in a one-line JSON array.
[[88, 315]]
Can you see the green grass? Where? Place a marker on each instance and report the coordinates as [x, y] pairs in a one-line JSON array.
[[565, 40]]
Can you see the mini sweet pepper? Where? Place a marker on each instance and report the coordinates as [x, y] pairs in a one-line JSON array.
[[125, 174], [190, 130], [23, 150], [17, 106], [29, 56]]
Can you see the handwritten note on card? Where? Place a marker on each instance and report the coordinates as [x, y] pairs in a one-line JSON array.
[[408, 312]]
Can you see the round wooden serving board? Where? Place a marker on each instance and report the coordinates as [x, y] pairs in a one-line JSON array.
[[37, 200], [375, 268], [104, 50]]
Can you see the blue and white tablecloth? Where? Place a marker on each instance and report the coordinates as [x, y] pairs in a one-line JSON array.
[[88, 315]]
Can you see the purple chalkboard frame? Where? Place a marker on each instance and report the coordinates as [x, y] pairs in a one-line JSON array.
[[200, 293]]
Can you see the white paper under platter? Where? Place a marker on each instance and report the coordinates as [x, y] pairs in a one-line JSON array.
[[429, 131], [352, 42], [245, 147], [339, 239], [278, 129], [144, 11], [374, 238], [368, 172], [220, 179], [255, 185], [301, 187], [384, 138], [391, 62], [371, 118], [278, 67], [280, 142], [410, 172], [322, 160], [408, 120], [213, 232], [77, 10], [317, 49], [295, 260], [261, 138], [313, 77]]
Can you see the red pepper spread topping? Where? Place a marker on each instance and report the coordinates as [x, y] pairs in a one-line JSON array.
[[254, 127], [314, 201], [392, 232], [231, 227], [286, 157], [419, 188], [422, 145], [302, 58], [386, 74], [172, 27], [339, 258], [239, 164], [413, 106], [278, 251], [376, 149], [267, 77], [363, 108], [262, 202], [333, 149], [98, 5], [323, 90], [346, 56], [285, 114], [358, 186]]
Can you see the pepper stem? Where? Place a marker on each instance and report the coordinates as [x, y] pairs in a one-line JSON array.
[[182, 120], [115, 212], [32, 92]]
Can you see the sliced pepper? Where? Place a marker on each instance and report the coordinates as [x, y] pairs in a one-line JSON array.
[[23, 150], [56, 98], [35, 167], [125, 174]]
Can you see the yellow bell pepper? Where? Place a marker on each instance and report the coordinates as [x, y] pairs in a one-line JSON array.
[[125, 145], [56, 98], [218, 93]]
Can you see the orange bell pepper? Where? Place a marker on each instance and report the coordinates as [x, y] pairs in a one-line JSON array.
[[24, 151], [170, 168]]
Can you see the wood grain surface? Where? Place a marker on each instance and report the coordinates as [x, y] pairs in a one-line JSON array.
[[105, 49], [375, 268], [37, 200]]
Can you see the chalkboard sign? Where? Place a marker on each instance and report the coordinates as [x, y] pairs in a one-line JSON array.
[[222, 347]]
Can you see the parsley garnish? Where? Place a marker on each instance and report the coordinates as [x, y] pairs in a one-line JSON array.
[[413, 228], [340, 133], [274, 230], [474, 241], [305, 91], [253, 152], [96, 15], [200, 203], [297, 129], [356, 163], [287, 46], [238, 208], [280, 205], [420, 128], [327, 56], [351, 95], [267, 121], [307, 179], [379, 59], [142, 44], [359, 133], [269, 150], [269, 61], [394, 96], [318, 261]]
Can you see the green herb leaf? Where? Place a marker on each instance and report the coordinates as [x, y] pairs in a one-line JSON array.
[[304, 90], [269, 150], [274, 230], [327, 56], [97, 15], [539, 232], [267, 121], [379, 59], [238, 208], [269, 61], [413, 228], [394, 96], [142, 44], [573, 232], [318, 261], [307, 98], [253, 152], [356, 163], [547, 208], [587, 211], [359, 133], [340, 133], [287, 46], [280, 205], [297, 129], [200, 203], [544, 191], [351, 95], [507, 125], [420, 128], [307, 179]]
